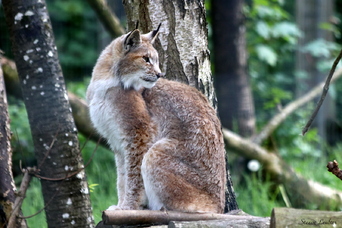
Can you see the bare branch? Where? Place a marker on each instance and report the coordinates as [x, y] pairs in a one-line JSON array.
[[324, 93], [109, 20], [20, 197], [290, 108]]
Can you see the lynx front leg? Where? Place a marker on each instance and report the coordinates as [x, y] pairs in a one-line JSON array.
[[120, 182], [134, 197], [130, 188], [120, 164]]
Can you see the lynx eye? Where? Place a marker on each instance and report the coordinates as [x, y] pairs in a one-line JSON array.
[[147, 59]]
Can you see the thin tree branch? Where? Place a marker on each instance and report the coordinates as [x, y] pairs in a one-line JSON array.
[[324, 93], [20, 197], [290, 108], [109, 20]]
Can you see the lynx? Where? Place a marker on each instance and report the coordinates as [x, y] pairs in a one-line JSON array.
[[167, 139]]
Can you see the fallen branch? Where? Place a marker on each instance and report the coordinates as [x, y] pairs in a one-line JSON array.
[[333, 167], [290, 108], [301, 191], [324, 93], [148, 217]]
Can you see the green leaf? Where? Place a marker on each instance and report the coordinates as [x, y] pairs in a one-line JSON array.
[[263, 29], [266, 54], [321, 48], [285, 29]]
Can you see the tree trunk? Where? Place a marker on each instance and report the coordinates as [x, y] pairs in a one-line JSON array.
[[53, 130], [7, 186], [236, 107], [182, 47]]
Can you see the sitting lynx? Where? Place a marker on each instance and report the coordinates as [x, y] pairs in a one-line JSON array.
[[166, 137]]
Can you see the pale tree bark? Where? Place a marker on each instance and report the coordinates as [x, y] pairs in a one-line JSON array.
[[183, 39], [236, 105], [182, 46], [53, 130]]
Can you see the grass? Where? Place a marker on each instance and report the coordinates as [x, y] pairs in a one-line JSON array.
[[257, 197]]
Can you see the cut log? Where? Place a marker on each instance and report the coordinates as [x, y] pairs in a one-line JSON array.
[[289, 217], [241, 223], [148, 217]]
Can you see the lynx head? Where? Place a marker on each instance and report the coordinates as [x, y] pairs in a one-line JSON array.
[[129, 61], [138, 65]]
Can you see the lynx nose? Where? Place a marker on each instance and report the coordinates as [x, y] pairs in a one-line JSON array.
[[160, 75]]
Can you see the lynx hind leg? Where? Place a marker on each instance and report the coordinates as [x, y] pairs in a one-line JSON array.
[[172, 185]]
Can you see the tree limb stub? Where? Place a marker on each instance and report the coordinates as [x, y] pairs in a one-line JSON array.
[[333, 167], [148, 217]]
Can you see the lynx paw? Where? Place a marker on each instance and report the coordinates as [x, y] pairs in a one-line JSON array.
[[114, 208]]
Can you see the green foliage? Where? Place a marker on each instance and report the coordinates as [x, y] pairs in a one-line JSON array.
[[292, 145], [271, 41], [75, 26]]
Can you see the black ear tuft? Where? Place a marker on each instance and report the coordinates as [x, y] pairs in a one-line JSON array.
[[155, 32], [133, 39]]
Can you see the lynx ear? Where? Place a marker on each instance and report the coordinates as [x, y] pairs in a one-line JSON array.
[[153, 34], [133, 39]]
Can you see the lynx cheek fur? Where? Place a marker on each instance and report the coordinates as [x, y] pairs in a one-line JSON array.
[[166, 137]]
